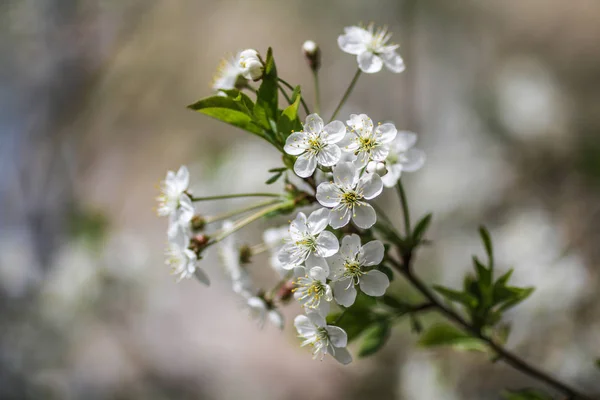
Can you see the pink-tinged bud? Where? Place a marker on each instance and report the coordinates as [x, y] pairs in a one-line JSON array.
[[285, 292]]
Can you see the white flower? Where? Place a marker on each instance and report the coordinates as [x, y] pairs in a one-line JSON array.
[[367, 143], [376, 167], [174, 202], [229, 253], [228, 73], [251, 65], [371, 49], [348, 270], [312, 290], [183, 262], [325, 339], [315, 145], [260, 310], [310, 47], [274, 239], [346, 196], [402, 157], [308, 238]]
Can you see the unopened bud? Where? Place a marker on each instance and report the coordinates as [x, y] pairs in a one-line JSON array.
[[198, 243], [376, 167], [251, 65], [312, 52], [245, 254], [198, 223], [285, 292]]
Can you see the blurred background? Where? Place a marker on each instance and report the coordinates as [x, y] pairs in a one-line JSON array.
[[505, 96]]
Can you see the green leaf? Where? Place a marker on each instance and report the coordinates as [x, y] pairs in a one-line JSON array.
[[447, 335], [374, 338], [229, 111], [266, 108], [484, 274], [240, 97], [281, 169], [454, 295], [353, 323], [525, 394], [387, 271], [517, 295], [274, 178], [289, 121], [421, 228], [487, 243], [395, 304]]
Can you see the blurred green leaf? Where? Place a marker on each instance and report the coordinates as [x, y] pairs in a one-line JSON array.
[[487, 243], [466, 299], [598, 363], [280, 169], [274, 178], [289, 122], [241, 98], [443, 334], [421, 228], [374, 338], [483, 273], [525, 394]]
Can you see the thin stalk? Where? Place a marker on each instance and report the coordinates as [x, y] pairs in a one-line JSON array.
[[251, 218], [234, 196], [233, 213], [258, 248], [292, 89], [405, 210], [347, 94], [283, 92], [317, 91]]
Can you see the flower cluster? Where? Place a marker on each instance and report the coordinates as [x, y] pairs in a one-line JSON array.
[[330, 253]]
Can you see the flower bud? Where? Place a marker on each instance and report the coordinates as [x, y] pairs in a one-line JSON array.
[[376, 167], [312, 52], [198, 223], [245, 254], [198, 243], [285, 292], [251, 65]]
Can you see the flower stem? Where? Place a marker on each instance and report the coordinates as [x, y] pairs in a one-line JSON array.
[[251, 218], [317, 91], [282, 90], [405, 210], [347, 94], [292, 89], [234, 196], [233, 213]]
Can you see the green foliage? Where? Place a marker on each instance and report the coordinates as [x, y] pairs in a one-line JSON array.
[[598, 363], [288, 120], [421, 229], [266, 108], [375, 337], [525, 394], [483, 299], [443, 334]]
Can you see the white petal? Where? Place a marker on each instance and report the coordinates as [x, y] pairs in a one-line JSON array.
[[385, 133], [415, 159], [276, 318], [334, 132], [362, 159], [316, 319], [404, 141], [393, 61], [318, 220], [337, 335], [298, 227], [327, 244], [201, 276], [329, 155], [380, 152], [324, 307], [339, 217], [328, 194], [345, 175], [370, 185], [350, 246], [313, 124], [364, 216], [296, 143], [369, 62], [313, 262], [371, 253], [304, 326], [336, 266], [305, 165], [318, 274], [374, 283], [288, 257], [391, 178], [183, 178], [353, 40], [342, 355], [344, 292]]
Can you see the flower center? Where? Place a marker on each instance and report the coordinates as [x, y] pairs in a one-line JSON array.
[[310, 289], [308, 242], [315, 144], [352, 268], [367, 143], [351, 198]]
